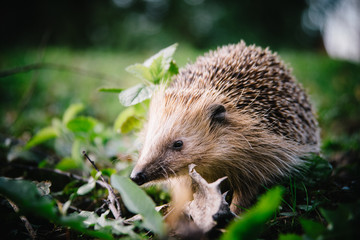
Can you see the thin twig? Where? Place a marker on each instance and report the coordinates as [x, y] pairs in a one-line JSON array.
[[114, 204], [26, 222]]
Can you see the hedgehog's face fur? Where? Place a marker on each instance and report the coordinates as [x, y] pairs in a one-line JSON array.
[[205, 128], [184, 127]]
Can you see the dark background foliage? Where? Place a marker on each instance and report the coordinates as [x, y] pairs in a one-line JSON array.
[[135, 24]]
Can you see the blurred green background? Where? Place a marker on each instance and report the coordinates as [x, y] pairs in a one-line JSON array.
[[81, 46]]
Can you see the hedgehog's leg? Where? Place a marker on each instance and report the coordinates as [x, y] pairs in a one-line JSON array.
[[181, 190]]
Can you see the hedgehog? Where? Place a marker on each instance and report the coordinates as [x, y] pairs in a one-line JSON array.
[[236, 112]]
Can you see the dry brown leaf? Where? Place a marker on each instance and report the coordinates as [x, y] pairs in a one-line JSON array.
[[209, 206]]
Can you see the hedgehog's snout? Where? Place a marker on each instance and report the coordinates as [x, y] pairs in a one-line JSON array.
[[139, 177]]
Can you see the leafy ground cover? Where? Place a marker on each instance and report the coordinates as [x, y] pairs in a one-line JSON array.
[[70, 103]]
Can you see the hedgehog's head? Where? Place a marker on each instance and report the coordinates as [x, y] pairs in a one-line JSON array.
[[184, 127]]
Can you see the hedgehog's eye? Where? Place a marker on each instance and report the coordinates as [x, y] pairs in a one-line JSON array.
[[177, 145]]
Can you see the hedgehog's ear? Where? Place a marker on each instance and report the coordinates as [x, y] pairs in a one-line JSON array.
[[217, 113]]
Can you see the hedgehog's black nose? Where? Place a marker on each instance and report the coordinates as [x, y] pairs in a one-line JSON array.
[[138, 177]]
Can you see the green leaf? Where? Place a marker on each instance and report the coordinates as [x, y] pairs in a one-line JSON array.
[[128, 120], [67, 164], [136, 94], [251, 223], [165, 54], [156, 67], [140, 71], [65, 207], [76, 152], [72, 111], [111, 90], [81, 124], [312, 229], [87, 187], [173, 69], [43, 135], [27, 197], [108, 171], [318, 169], [90, 218], [75, 221], [290, 237], [157, 70], [123, 116], [116, 226], [73, 162], [137, 201], [131, 123]]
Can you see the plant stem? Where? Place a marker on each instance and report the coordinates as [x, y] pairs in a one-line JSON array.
[[114, 204]]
